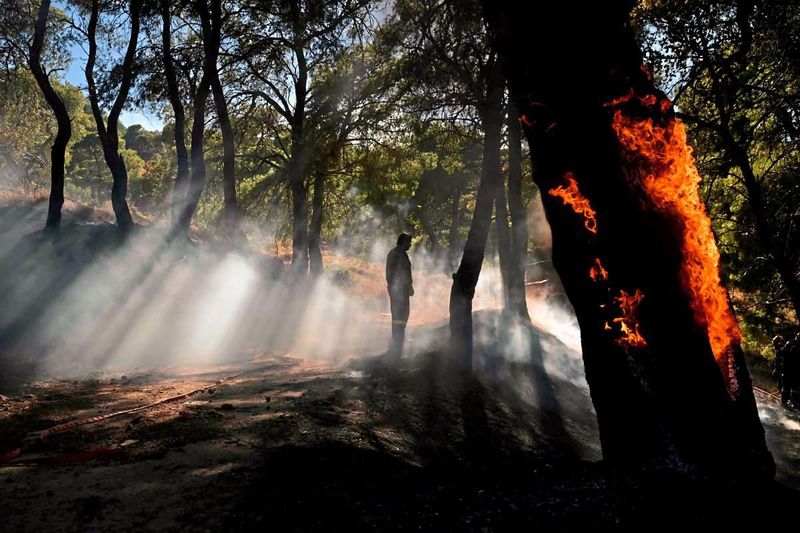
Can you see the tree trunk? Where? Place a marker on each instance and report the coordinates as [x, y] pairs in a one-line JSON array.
[[212, 39], [59, 148], [315, 229], [299, 208], [519, 219], [108, 133], [198, 172], [297, 167], [455, 223], [504, 250], [173, 91], [764, 232], [631, 242], [466, 277]]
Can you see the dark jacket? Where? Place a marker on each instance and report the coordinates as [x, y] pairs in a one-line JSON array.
[[398, 271]]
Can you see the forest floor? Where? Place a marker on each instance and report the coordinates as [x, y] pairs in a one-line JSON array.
[[293, 442], [283, 443]]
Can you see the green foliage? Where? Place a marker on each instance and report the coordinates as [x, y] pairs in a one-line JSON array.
[[734, 77]]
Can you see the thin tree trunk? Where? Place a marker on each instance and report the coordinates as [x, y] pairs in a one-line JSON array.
[[764, 232], [519, 218], [504, 250], [173, 91], [59, 148], [230, 207], [198, 161], [212, 39], [297, 167], [455, 223], [109, 135], [315, 228], [665, 369], [466, 277]]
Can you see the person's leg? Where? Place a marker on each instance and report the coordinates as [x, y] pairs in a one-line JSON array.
[[400, 308], [403, 308], [395, 346]]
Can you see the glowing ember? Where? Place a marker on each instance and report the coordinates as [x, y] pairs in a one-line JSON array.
[[573, 198], [597, 272], [662, 167], [629, 321]]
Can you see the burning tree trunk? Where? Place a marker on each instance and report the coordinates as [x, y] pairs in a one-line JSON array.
[[59, 148], [519, 219], [466, 277], [631, 242]]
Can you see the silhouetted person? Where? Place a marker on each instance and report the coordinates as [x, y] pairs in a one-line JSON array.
[[401, 288]]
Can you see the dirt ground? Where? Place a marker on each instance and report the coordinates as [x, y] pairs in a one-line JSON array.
[[278, 443], [351, 441]]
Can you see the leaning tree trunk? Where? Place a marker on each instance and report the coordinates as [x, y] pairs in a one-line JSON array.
[[466, 277], [519, 219], [59, 148], [632, 243]]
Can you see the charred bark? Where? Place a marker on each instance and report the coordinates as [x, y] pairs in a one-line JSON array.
[[466, 277], [519, 218], [64, 132], [173, 93], [660, 395]]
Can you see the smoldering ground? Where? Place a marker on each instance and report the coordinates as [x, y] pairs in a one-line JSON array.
[[88, 301]]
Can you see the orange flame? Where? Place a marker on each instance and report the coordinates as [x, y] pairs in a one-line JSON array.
[[661, 165], [573, 198], [597, 272], [629, 321]]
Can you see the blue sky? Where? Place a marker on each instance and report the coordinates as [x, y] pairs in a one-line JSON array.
[[129, 117]]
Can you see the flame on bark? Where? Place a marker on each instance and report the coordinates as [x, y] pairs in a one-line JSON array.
[[597, 271], [629, 321], [572, 197], [660, 165]]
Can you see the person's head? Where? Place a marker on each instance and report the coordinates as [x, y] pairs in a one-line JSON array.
[[777, 341], [404, 241]]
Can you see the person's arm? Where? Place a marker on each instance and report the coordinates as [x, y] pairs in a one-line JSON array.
[[390, 268], [410, 277]]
